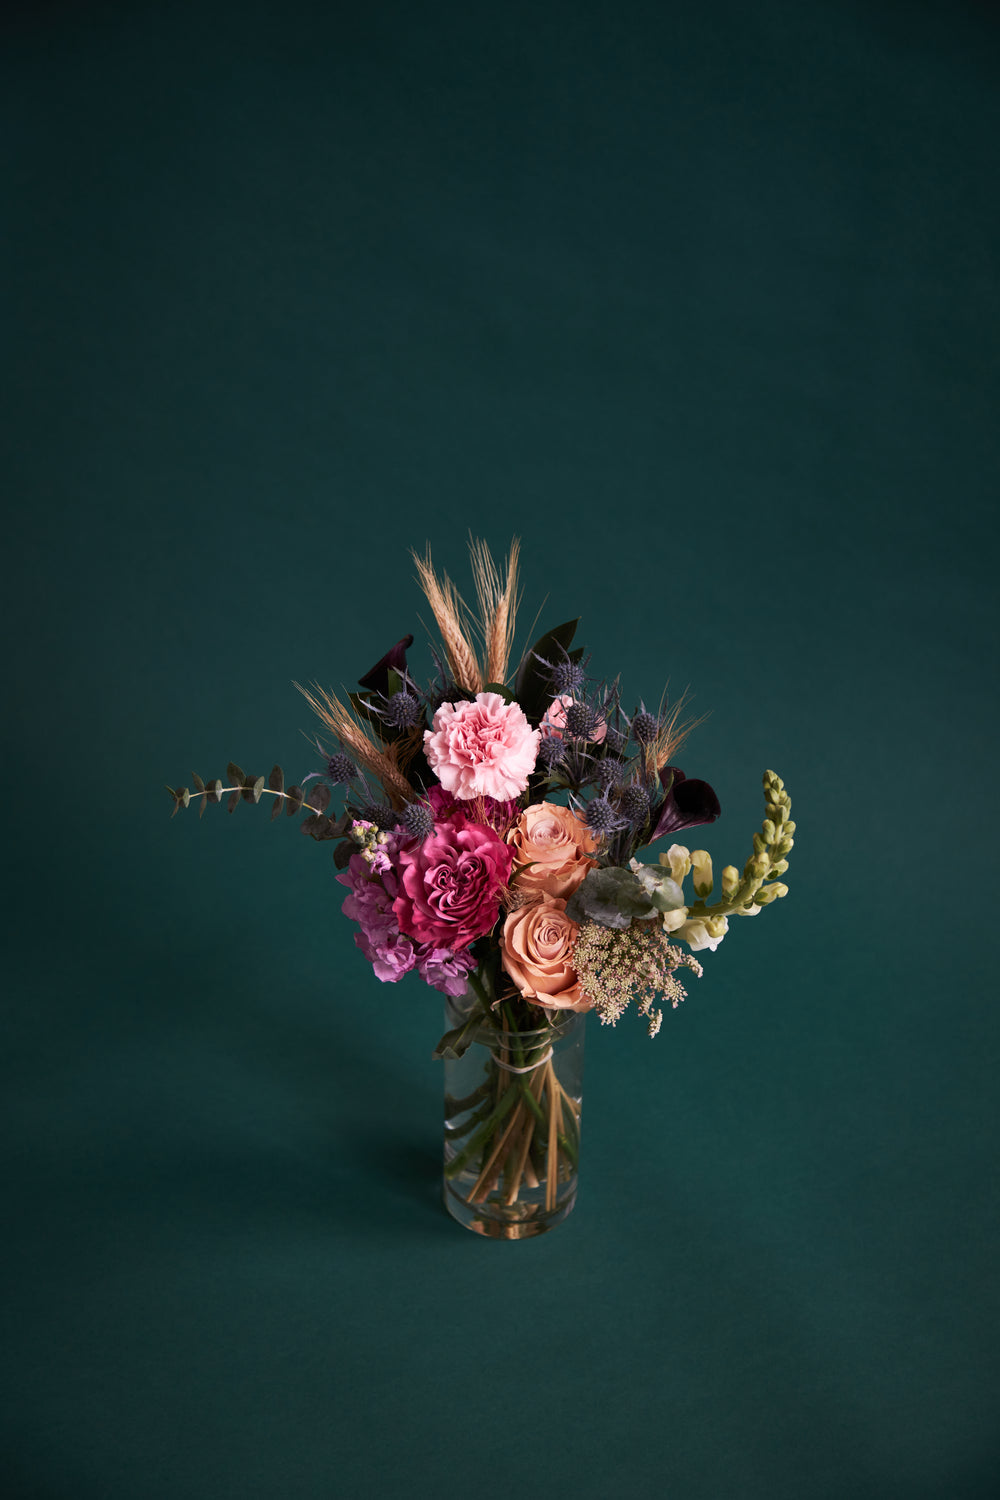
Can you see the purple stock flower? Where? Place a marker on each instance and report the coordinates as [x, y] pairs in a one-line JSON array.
[[373, 887], [686, 804]]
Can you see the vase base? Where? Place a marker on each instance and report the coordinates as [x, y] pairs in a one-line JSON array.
[[496, 1220]]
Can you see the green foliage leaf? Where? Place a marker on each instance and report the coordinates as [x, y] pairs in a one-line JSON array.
[[613, 897], [498, 687], [531, 686], [456, 1042]]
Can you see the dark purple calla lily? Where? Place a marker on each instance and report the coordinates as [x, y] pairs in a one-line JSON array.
[[686, 805], [377, 680]]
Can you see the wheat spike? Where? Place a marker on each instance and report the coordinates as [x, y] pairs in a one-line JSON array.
[[382, 763], [449, 611], [669, 738], [497, 606]]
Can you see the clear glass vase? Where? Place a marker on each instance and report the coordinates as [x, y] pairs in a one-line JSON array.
[[512, 1106]]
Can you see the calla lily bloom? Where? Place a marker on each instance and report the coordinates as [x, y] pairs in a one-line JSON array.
[[377, 680], [686, 804]]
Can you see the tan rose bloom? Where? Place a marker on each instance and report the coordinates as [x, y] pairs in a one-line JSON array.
[[537, 950], [556, 842]]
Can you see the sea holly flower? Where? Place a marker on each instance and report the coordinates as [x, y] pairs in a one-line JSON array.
[[567, 715], [482, 748]]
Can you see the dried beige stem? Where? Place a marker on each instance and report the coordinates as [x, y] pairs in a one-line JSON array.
[[497, 606], [450, 612], [382, 763]]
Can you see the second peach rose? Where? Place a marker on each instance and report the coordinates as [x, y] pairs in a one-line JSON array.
[[537, 949]]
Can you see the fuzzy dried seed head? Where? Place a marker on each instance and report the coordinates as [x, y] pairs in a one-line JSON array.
[[644, 728], [382, 815], [634, 804], [341, 769], [402, 710], [418, 820]]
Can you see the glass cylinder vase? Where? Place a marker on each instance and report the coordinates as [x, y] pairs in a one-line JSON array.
[[512, 1106]]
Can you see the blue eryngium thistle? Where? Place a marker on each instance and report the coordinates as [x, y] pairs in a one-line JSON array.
[[601, 816], [402, 710], [644, 727], [341, 769], [634, 805], [609, 773], [551, 751], [418, 820], [382, 815], [566, 677], [581, 720]]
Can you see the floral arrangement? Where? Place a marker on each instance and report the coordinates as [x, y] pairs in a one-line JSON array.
[[487, 835]]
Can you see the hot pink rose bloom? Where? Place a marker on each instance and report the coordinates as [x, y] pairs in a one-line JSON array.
[[485, 748], [553, 725], [450, 885]]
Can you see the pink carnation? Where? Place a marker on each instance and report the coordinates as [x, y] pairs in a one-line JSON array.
[[483, 748], [450, 884]]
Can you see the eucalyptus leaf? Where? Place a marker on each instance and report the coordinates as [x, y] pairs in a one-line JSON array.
[[258, 787], [319, 798], [231, 801], [613, 897], [295, 800], [235, 773], [276, 780]]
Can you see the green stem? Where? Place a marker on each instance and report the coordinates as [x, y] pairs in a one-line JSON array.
[[483, 1134]]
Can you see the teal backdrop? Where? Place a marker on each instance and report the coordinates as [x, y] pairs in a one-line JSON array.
[[703, 303]]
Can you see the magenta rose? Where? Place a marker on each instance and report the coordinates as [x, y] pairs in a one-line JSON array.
[[450, 885], [485, 748]]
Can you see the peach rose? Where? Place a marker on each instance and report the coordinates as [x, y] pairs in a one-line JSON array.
[[555, 841], [537, 950]]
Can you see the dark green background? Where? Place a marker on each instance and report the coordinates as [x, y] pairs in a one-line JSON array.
[[704, 303]]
